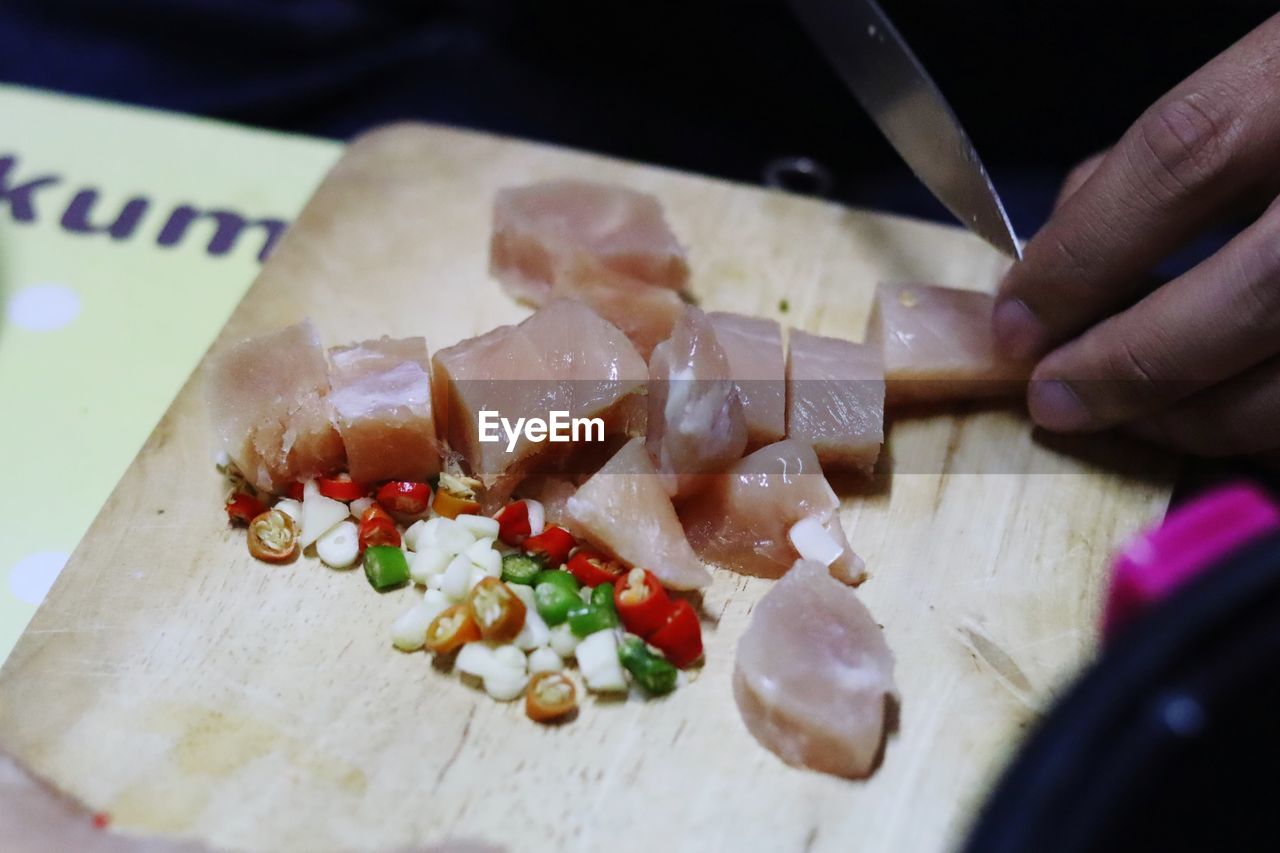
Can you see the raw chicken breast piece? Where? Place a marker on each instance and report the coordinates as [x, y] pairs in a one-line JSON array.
[[382, 402], [645, 314], [543, 229], [269, 398], [937, 345], [695, 417], [813, 675], [564, 357], [753, 346], [743, 519], [835, 400], [625, 511]]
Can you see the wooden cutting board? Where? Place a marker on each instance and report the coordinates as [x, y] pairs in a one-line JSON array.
[[184, 688]]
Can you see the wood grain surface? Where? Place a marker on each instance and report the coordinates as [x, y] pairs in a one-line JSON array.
[[174, 682]]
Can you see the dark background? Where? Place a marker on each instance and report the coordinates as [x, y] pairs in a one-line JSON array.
[[718, 87]]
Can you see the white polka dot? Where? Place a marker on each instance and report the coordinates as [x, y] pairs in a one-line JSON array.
[[43, 307], [31, 577]]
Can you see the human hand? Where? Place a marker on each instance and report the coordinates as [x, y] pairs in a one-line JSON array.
[[1195, 363]]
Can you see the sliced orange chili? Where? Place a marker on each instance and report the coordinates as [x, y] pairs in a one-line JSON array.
[[550, 696], [451, 506], [243, 508], [641, 602], [496, 609], [273, 537], [451, 630], [341, 487], [592, 568]]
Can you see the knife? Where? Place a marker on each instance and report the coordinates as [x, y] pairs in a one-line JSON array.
[[892, 85]]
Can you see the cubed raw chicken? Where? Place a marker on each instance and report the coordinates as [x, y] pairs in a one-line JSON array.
[[813, 676], [562, 358], [544, 229], [695, 417], [744, 518], [382, 400], [753, 346], [269, 398], [625, 511], [645, 314], [835, 400], [937, 345]]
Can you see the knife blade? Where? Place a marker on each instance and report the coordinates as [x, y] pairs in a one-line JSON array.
[[904, 102]]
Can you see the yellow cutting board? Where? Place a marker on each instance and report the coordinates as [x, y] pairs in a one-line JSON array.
[[174, 682]]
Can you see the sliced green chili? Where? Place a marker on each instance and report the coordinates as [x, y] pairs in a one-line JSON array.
[[586, 619], [385, 567], [653, 672], [554, 601], [521, 568], [559, 577]]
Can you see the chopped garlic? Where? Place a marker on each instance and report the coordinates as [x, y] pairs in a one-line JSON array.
[[508, 655], [319, 514], [537, 517], [419, 535], [505, 683], [435, 602], [477, 574], [340, 547], [477, 549], [452, 538], [535, 632], [475, 659], [291, 508], [598, 660], [359, 505], [427, 562], [480, 526], [409, 632], [564, 641], [436, 582], [489, 561], [544, 660], [524, 592], [457, 579], [812, 541]]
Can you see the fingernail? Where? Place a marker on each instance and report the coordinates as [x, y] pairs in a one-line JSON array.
[[1056, 407], [1019, 335]]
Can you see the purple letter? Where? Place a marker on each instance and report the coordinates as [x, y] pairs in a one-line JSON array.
[[76, 217], [229, 226], [19, 195]]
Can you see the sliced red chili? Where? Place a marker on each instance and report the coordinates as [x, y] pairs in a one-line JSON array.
[[377, 528], [680, 639], [295, 491], [273, 537], [552, 544], [513, 523], [243, 508], [592, 568], [642, 603], [404, 497], [341, 487]]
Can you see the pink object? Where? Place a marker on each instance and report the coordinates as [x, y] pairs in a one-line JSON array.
[[1192, 538]]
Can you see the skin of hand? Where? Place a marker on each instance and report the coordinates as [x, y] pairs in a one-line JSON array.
[[1194, 363]]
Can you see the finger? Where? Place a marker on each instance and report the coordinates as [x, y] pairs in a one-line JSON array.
[[1215, 321], [1077, 176], [1237, 418], [1177, 170]]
